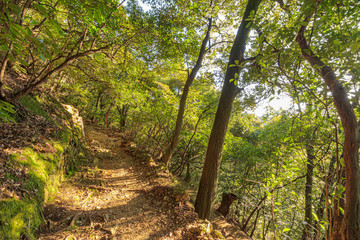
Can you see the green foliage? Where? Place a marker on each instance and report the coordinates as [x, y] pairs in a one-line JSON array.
[[45, 170], [19, 218], [137, 82], [7, 112], [34, 106]]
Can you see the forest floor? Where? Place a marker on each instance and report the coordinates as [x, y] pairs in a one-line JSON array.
[[118, 196]]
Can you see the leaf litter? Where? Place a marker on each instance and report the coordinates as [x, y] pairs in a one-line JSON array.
[[118, 194]]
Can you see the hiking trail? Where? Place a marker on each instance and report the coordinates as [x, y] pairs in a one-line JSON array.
[[117, 196]]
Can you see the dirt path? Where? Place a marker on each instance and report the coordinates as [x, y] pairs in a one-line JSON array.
[[113, 198]]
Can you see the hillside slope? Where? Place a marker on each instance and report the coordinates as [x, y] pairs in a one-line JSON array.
[[36, 152]]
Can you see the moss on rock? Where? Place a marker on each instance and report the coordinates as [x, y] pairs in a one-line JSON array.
[[45, 160]]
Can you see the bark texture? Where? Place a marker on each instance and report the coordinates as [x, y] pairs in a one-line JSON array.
[[50, 72], [322, 204], [204, 203], [308, 228], [182, 105], [123, 114], [349, 229], [227, 200]]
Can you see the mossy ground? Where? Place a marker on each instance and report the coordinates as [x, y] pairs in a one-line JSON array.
[[37, 152]]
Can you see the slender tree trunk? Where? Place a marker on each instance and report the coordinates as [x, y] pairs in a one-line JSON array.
[[188, 175], [255, 223], [96, 105], [338, 203], [350, 229], [107, 121], [7, 55], [246, 222], [123, 114], [308, 229], [329, 180], [179, 120], [49, 73], [2, 71], [204, 203]]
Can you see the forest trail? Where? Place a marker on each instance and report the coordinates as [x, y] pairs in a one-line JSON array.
[[112, 198], [118, 196]]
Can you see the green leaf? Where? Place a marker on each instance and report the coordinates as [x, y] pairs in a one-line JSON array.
[[341, 210], [56, 24], [15, 8], [315, 216], [22, 61], [42, 57], [355, 47], [303, 23], [307, 52], [6, 112], [287, 139], [41, 9], [286, 230]]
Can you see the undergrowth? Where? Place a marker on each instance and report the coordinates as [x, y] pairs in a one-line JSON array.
[[46, 166]]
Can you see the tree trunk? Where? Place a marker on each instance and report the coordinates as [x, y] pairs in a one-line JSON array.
[[187, 176], [227, 200], [179, 120], [350, 223], [338, 203], [255, 223], [97, 104], [204, 203], [308, 229], [123, 114], [2, 71], [322, 205], [44, 78]]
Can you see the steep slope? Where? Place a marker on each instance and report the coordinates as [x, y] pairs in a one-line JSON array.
[[36, 152]]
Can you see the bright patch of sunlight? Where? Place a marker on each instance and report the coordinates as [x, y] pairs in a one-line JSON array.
[[283, 102]]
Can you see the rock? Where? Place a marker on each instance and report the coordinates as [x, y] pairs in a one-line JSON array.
[[111, 231]]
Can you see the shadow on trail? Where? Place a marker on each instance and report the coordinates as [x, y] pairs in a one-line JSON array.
[[165, 219], [114, 197]]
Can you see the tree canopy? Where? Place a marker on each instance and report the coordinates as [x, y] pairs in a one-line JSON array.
[[181, 79]]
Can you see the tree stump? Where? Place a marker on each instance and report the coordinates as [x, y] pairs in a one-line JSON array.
[[227, 200]]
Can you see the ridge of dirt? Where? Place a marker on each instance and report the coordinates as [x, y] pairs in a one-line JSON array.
[[31, 131], [229, 231]]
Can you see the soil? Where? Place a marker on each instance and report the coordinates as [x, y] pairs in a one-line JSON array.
[[31, 131], [117, 196]]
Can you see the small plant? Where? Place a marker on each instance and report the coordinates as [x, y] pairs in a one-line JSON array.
[[7, 112]]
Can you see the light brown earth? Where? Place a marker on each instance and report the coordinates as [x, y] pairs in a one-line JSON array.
[[118, 196], [112, 198]]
